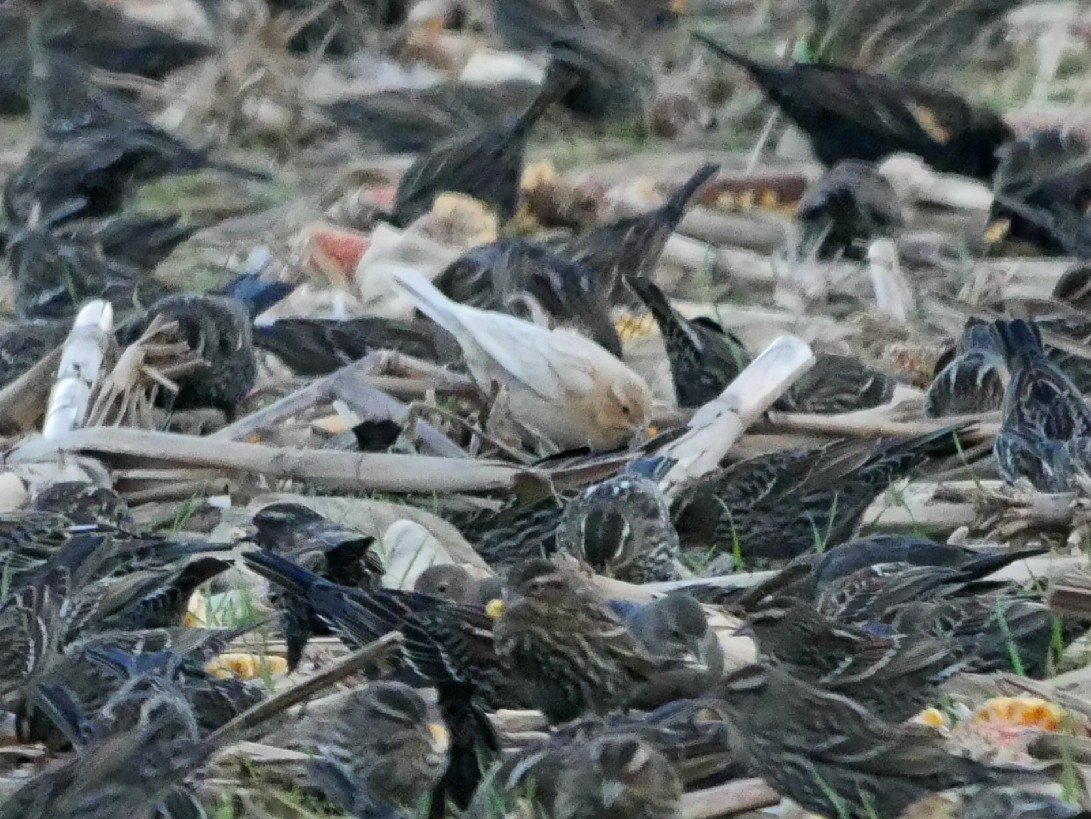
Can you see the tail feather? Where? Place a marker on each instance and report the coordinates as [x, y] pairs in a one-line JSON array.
[[678, 203], [430, 301], [1021, 342], [720, 50], [560, 79]]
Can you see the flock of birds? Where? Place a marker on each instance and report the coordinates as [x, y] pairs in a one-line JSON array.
[[854, 636]]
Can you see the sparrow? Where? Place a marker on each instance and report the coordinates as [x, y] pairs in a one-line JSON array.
[[846, 209]]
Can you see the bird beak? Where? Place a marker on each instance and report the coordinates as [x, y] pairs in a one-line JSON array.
[[495, 608], [611, 792], [440, 735]]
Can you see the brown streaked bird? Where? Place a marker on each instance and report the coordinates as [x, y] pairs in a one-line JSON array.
[[974, 380], [561, 385], [849, 114], [382, 745], [848, 207], [832, 756], [893, 676], [573, 655]]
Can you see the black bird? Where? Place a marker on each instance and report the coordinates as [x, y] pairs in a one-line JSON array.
[[139, 240], [313, 347], [501, 274], [218, 330], [572, 654], [974, 380], [633, 245], [334, 552], [622, 528], [783, 504], [381, 746], [486, 164], [1045, 419], [166, 602], [848, 207], [832, 756], [1042, 192], [848, 114]]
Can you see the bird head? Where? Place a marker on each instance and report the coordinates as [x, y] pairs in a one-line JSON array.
[[621, 412], [447, 580], [539, 581], [399, 706]]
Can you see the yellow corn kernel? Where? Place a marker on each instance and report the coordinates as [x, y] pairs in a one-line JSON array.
[[495, 608], [933, 717], [247, 666], [1027, 712]]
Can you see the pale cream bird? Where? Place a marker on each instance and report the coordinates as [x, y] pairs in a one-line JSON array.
[[561, 384]]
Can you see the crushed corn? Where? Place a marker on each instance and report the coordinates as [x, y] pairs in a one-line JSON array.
[[246, 666], [1026, 712]]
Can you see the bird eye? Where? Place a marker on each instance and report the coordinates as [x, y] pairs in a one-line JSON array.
[[625, 410], [443, 587]]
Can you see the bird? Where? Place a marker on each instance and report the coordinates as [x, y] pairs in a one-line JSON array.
[[974, 380], [560, 384], [622, 528], [84, 504], [1041, 192], [312, 346], [139, 240], [893, 676], [633, 244], [517, 531], [454, 582], [218, 330], [1044, 415], [848, 207], [850, 114], [674, 626], [499, 275], [379, 745], [486, 163], [832, 756], [536, 23], [703, 358], [572, 654], [334, 552], [782, 504], [587, 770]]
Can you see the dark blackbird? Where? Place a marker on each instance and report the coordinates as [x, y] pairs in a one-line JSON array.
[[848, 114], [313, 347], [622, 528], [783, 504], [486, 164], [142, 241], [607, 773], [703, 357], [453, 582], [447, 646], [500, 274], [892, 676], [830, 755], [572, 654], [218, 329], [381, 745], [165, 604], [848, 207], [1042, 192], [633, 245], [55, 275], [335, 553], [974, 380], [1044, 416]]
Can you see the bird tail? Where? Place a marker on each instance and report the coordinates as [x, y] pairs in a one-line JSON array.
[[241, 171], [654, 298], [1020, 341], [560, 78], [679, 202], [429, 300], [284, 573], [196, 572], [720, 50]]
